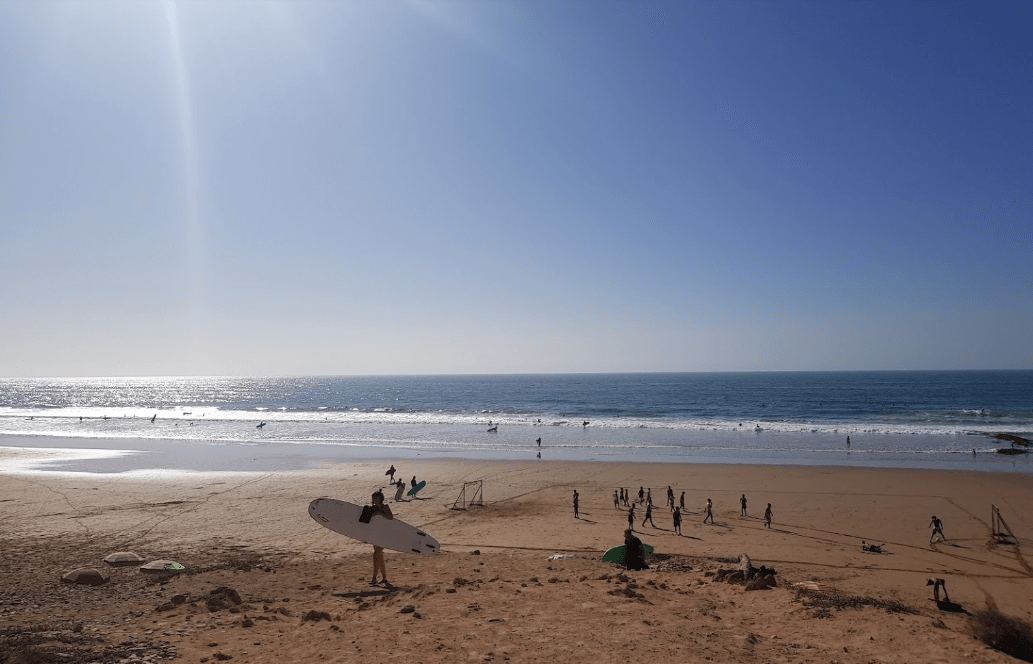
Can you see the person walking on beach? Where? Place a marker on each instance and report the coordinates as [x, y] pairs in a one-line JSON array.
[[641, 495], [649, 496], [767, 516], [649, 516], [670, 498], [576, 495], [624, 496], [616, 500], [742, 501], [709, 509], [937, 529], [400, 490], [391, 473], [677, 520], [379, 509], [631, 518], [681, 501]]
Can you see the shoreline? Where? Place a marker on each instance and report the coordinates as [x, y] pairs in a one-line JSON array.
[[156, 454]]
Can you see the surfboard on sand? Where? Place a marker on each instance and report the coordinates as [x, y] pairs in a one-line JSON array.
[[616, 554], [343, 517], [416, 489]]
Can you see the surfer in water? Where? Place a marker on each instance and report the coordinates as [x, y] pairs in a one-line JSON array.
[[379, 508]]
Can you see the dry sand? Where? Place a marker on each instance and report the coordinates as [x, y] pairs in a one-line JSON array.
[[252, 533]]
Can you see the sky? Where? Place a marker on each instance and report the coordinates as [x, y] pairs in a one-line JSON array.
[[291, 188]]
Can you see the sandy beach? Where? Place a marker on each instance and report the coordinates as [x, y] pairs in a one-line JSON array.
[[493, 594]]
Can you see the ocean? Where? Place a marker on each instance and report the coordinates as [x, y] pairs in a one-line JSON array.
[[908, 419]]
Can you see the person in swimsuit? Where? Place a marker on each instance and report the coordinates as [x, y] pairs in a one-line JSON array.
[[709, 509], [379, 509], [767, 516], [677, 520], [649, 515], [937, 530]]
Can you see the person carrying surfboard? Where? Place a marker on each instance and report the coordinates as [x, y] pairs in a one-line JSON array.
[[379, 509]]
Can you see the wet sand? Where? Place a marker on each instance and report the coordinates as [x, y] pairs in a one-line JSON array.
[[251, 532]]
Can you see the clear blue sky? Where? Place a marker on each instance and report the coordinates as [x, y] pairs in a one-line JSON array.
[[466, 187]]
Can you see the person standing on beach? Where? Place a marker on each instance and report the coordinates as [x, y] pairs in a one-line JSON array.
[[616, 500], [709, 509], [649, 515], [681, 501], [576, 504], [379, 508], [677, 520], [670, 498], [641, 495], [742, 501], [767, 516], [937, 529], [649, 496], [631, 518], [413, 482]]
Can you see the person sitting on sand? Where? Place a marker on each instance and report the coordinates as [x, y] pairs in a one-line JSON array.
[[767, 516], [677, 520], [871, 548], [634, 552], [709, 509], [937, 584], [937, 529], [379, 508]]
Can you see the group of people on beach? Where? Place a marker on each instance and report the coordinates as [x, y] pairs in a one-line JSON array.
[[400, 484], [621, 499]]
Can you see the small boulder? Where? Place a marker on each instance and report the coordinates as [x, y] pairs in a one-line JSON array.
[[408, 608], [85, 576]]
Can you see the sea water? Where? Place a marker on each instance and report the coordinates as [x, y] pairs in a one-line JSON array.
[[926, 419]]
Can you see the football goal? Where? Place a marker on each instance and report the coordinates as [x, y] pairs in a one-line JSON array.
[[471, 494]]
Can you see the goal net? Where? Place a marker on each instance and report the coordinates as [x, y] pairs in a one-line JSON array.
[[471, 494]]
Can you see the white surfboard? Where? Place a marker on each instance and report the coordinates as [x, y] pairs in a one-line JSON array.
[[343, 517]]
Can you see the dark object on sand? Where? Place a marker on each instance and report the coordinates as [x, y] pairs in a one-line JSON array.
[[85, 576], [872, 548], [1011, 636]]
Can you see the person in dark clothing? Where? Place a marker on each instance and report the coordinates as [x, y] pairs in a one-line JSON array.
[[631, 518], [634, 552], [649, 515], [576, 502], [709, 509], [742, 501], [677, 520]]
